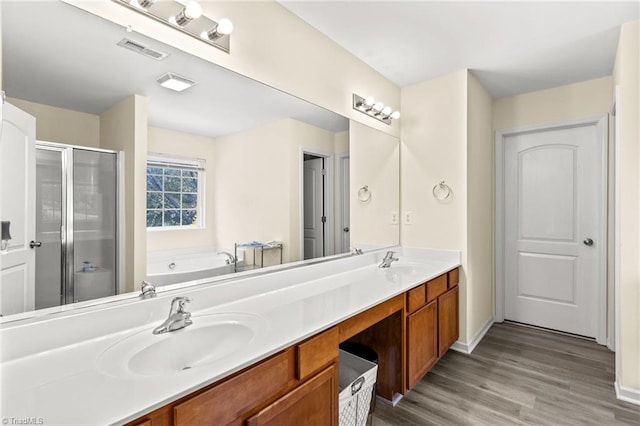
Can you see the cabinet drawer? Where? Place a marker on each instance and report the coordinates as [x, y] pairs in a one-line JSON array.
[[315, 403], [228, 401], [436, 287], [316, 353], [454, 278], [416, 298]]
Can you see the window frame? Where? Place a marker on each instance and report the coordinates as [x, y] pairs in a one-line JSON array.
[[182, 163]]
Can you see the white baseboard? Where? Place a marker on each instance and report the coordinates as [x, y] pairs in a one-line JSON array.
[[626, 394], [467, 348]]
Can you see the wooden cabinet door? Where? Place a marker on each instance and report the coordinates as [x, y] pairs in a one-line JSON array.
[[422, 342], [314, 403], [448, 320]]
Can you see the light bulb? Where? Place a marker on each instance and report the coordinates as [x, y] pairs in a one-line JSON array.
[[378, 106], [193, 10], [386, 111], [395, 115], [225, 26], [369, 101]]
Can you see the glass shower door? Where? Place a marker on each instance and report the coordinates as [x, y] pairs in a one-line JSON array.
[[50, 213], [94, 258]]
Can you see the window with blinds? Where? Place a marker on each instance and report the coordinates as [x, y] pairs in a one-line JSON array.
[[175, 192]]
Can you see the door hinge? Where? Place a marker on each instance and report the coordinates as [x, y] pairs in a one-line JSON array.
[[324, 219], [324, 172]]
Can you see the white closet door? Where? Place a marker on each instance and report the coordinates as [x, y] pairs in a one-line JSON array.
[[552, 228]]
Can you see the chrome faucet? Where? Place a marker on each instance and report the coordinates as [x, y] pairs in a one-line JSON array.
[[388, 258], [178, 317], [148, 290], [231, 258], [356, 251]]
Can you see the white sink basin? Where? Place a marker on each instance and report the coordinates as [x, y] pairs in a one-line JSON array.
[[211, 338], [405, 267]]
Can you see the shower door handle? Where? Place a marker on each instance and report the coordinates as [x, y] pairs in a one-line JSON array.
[[35, 244]]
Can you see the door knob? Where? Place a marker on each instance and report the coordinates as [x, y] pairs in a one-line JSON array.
[[588, 242], [345, 229], [34, 244]]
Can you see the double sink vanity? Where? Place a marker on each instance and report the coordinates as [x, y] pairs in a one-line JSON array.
[[260, 350]]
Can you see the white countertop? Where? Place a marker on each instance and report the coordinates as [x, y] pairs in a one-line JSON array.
[[50, 367]]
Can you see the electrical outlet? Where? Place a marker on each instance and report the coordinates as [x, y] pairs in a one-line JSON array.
[[407, 218], [394, 218]]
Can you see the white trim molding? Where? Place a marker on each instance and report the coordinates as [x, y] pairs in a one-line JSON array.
[[467, 348], [601, 333], [626, 394]]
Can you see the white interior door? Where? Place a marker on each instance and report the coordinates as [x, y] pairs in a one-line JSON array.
[[553, 227], [313, 208], [17, 205], [344, 240]]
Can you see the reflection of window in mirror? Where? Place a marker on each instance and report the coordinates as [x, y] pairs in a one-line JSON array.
[[175, 195]]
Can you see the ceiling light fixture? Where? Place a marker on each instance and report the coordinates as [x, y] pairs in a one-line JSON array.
[[375, 109], [187, 17], [175, 82]]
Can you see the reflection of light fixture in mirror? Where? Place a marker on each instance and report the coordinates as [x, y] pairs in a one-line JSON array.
[[175, 82], [375, 109], [6, 235], [222, 28], [185, 16], [145, 4]]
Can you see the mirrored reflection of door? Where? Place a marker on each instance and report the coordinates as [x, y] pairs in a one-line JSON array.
[[314, 214], [49, 220], [94, 225]]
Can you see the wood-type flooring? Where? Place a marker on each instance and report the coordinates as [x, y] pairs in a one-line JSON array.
[[517, 376]]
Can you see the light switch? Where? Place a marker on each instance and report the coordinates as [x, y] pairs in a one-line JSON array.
[[407, 218], [394, 218]]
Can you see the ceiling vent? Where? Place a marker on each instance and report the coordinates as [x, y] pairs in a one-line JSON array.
[[142, 49]]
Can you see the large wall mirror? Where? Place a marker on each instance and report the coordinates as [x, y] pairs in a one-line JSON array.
[[134, 180]]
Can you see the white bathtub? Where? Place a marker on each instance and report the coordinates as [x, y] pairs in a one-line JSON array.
[[181, 265]]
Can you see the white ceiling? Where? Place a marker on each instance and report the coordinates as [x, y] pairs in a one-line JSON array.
[[58, 55], [511, 46]]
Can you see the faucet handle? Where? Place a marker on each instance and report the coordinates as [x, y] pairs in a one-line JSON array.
[[177, 304], [147, 289]]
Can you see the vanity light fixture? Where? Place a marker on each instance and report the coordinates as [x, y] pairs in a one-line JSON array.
[[175, 82], [185, 16], [222, 28], [375, 109], [192, 10]]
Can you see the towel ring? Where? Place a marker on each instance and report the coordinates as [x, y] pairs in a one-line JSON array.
[[441, 191], [364, 195]]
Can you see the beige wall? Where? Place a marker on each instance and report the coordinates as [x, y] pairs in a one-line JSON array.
[[573, 101], [258, 183], [480, 207], [626, 75], [308, 65], [62, 125], [163, 141], [434, 150], [446, 136], [374, 162], [124, 128]]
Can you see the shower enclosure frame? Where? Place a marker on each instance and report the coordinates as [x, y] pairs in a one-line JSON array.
[[67, 229]]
